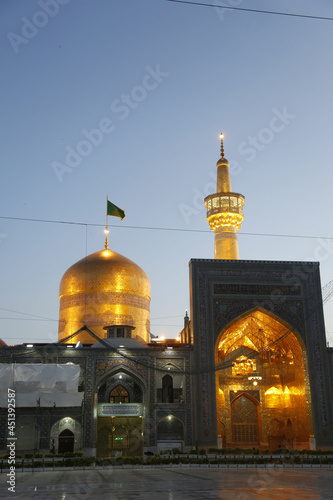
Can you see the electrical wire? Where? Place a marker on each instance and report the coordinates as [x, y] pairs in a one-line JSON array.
[[256, 11], [151, 228], [26, 314]]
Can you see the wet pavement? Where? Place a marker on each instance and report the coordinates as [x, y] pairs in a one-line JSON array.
[[172, 484]]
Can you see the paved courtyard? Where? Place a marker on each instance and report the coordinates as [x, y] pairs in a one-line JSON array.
[[173, 484]]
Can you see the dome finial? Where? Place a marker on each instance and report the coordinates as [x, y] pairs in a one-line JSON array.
[[106, 231], [222, 149]]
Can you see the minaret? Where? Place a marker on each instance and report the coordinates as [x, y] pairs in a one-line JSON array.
[[225, 212]]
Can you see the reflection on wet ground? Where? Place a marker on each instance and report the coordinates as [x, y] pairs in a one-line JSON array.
[[172, 484]]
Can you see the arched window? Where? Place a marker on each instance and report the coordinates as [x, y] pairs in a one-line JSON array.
[[119, 395], [167, 389]]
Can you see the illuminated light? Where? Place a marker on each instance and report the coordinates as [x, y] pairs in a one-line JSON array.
[[272, 390], [169, 417], [287, 398], [121, 346], [106, 253], [274, 398], [30, 345], [178, 339], [106, 231], [169, 347], [254, 377], [162, 338], [221, 136], [66, 420], [70, 347], [169, 368], [120, 377]]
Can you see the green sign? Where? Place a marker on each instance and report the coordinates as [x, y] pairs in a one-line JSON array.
[[120, 410]]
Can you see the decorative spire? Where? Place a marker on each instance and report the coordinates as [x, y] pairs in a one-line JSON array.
[[222, 149], [106, 231]]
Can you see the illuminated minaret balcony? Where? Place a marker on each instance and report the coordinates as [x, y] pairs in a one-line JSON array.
[[225, 212]]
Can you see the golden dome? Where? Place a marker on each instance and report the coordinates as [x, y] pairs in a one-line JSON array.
[[104, 288]]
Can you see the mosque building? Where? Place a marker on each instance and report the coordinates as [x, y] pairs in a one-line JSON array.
[[250, 368]]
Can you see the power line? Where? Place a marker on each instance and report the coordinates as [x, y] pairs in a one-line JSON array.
[[152, 228], [26, 314], [29, 319], [35, 317], [256, 11]]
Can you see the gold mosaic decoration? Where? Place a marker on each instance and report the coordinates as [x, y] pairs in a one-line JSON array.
[[104, 288], [261, 345]]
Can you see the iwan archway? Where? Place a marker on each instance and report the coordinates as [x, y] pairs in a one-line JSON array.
[[120, 409], [262, 384]]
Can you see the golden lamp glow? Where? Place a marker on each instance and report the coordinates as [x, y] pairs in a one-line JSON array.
[[162, 338], [255, 377], [221, 136], [106, 231], [106, 252]]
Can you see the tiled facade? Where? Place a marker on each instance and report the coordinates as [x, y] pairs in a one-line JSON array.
[[223, 293]]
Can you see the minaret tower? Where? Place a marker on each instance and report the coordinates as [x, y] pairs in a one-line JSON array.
[[225, 212]]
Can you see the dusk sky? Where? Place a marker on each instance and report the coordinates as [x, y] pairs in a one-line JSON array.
[[127, 98]]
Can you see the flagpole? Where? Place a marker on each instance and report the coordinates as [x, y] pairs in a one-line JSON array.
[[106, 225]]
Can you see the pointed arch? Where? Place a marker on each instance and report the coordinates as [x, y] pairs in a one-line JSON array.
[[169, 382], [121, 369], [66, 441], [170, 429], [167, 389], [258, 343], [119, 395], [260, 314], [69, 427]]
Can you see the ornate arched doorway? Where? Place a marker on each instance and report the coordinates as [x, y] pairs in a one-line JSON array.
[[261, 379], [65, 428], [66, 441], [170, 433], [245, 421], [120, 415]]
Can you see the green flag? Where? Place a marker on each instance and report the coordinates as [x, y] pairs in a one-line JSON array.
[[114, 210]]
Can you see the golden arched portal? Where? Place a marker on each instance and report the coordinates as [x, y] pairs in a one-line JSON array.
[[262, 365]]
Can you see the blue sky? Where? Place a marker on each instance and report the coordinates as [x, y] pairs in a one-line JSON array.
[[127, 98]]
